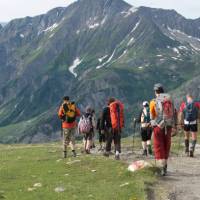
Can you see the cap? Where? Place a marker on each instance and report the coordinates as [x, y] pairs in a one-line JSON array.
[[157, 86], [145, 103]]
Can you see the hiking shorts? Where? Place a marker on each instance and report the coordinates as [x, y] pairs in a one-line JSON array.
[[69, 135], [146, 134], [190, 127]]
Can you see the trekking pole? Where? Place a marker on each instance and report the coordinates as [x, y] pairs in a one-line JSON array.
[[86, 139], [61, 129], [179, 143], [134, 131]]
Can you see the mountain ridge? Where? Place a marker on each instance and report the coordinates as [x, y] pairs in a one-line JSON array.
[[89, 50]]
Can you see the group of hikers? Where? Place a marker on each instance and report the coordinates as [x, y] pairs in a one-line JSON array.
[[109, 125], [159, 117]]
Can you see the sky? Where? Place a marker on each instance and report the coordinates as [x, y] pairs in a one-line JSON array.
[[11, 9]]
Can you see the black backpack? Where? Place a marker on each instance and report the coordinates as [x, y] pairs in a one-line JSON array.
[[190, 112]]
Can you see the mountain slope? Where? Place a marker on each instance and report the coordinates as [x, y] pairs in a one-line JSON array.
[[90, 50]]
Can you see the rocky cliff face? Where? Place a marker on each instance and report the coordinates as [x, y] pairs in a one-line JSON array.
[[90, 50]]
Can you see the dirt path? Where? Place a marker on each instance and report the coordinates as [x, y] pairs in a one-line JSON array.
[[183, 179]]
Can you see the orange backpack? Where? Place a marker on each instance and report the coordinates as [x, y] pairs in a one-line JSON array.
[[117, 115]]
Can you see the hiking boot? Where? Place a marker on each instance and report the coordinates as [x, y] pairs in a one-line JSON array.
[[187, 147], [191, 153], [100, 148], [144, 153], [187, 151], [64, 154], [87, 151], [163, 171], [117, 157], [74, 153], [106, 154]]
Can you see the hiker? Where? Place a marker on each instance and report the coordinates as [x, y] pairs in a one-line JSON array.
[[86, 127], [106, 129], [188, 117], [162, 120], [114, 113], [68, 113], [93, 129], [102, 138], [145, 129]]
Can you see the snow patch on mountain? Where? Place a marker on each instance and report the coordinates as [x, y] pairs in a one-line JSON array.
[[102, 58], [131, 41], [22, 35], [194, 47], [51, 28], [183, 47], [125, 51], [136, 26], [176, 50], [109, 59], [75, 64], [174, 31], [93, 26], [129, 12], [104, 20]]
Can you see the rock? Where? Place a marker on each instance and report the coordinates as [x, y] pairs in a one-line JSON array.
[[59, 189], [37, 185], [125, 184]]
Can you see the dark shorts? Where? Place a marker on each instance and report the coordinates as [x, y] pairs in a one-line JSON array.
[[191, 127], [146, 134]]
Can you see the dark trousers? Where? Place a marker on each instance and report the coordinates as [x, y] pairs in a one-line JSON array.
[[101, 137], [113, 135]]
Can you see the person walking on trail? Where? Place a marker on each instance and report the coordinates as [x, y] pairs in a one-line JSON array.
[[68, 112], [106, 129], [86, 127], [116, 109], [188, 117], [102, 138], [162, 115], [145, 130], [93, 129]]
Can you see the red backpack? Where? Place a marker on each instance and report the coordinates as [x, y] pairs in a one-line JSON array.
[[165, 111], [117, 115]]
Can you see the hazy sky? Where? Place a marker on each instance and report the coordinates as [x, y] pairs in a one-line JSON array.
[[10, 9]]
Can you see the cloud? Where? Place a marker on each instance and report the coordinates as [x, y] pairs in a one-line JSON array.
[[189, 9], [10, 9]]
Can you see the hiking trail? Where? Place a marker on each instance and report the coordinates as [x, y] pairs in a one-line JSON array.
[[182, 181]]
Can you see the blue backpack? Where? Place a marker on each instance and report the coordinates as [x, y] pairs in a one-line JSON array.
[[190, 112]]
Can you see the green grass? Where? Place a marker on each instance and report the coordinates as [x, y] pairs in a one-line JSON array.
[[24, 165]]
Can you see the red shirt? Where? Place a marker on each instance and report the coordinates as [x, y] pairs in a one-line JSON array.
[[183, 106], [66, 124]]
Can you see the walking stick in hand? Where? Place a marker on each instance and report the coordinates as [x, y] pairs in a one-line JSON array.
[[134, 132]]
